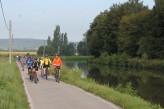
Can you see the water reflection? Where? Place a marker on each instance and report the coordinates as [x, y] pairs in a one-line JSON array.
[[81, 65], [148, 83]]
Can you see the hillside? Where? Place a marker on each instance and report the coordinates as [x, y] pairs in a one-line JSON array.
[[27, 44], [22, 44]]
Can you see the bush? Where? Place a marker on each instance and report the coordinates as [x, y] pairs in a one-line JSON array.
[[128, 89], [2, 84]]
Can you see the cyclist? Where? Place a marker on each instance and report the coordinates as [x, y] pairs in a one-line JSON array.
[[57, 62], [46, 63], [35, 67], [41, 65], [23, 61], [29, 65]]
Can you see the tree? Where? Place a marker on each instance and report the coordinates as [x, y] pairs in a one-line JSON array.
[[40, 50], [70, 50], [103, 32], [152, 44], [82, 48], [49, 42], [57, 45], [55, 42], [64, 43], [131, 29]]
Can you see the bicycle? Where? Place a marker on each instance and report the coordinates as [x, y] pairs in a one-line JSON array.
[[23, 64], [57, 77], [46, 72], [34, 74], [30, 74]]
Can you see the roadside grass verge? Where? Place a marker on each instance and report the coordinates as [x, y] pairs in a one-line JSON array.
[[126, 101], [12, 93]]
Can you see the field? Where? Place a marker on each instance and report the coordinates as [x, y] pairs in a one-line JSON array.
[[12, 94], [18, 53]]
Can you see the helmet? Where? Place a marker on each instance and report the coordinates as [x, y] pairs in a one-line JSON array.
[[35, 58], [46, 55], [56, 54]]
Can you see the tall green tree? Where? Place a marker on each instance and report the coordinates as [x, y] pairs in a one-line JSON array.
[[131, 29], [64, 44], [82, 48], [103, 32], [56, 40], [40, 50], [49, 42], [153, 43], [70, 50]]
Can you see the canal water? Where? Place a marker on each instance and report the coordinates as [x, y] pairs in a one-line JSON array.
[[148, 83]]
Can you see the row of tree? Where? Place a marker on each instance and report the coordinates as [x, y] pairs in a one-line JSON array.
[[59, 44], [130, 28]]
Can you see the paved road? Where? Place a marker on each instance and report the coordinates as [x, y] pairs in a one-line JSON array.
[[48, 94]]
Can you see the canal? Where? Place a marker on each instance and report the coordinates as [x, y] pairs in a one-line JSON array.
[[149, 84]]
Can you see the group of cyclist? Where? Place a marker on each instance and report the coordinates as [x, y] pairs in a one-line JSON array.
[[33, 64]]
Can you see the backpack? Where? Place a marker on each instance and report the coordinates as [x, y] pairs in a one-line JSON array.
[[35, 64]]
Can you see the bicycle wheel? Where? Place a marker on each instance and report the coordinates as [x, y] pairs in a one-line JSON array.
[[57, 75], [46, 72], [35, 78]]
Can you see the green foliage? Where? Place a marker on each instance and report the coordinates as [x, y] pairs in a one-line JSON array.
[[58, 44], [2, 84], [129, 28], [49, 41], [103, 32], [82, 48], [128, 89], [12, 94], [40, 50], [145, 56], [124, 60], [70, 50]]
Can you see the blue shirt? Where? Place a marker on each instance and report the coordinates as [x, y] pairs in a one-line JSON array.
[[30, 63]]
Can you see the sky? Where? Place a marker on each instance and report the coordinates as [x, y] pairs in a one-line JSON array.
[[38, 18]]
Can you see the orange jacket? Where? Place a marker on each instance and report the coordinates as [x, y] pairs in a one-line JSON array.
[[57, 62]]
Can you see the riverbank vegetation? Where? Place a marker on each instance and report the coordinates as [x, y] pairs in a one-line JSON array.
[[124, 60], [123, 97], [75, 58], [12, 93]]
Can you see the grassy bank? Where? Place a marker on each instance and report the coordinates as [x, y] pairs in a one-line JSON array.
[[12, 94], [126, 101]]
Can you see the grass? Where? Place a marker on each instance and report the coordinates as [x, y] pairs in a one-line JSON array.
[[126, 101], [12, 93]]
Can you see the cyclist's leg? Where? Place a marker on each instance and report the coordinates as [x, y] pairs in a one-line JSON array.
[[44, 70], [59, 72], [48, 69], [37, 74], [28, 71]]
